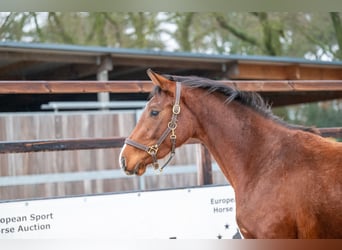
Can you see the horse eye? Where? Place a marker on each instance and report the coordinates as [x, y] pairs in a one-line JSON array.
[[154, 112]]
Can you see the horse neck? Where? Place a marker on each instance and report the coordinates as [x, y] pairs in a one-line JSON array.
[[238, 137]]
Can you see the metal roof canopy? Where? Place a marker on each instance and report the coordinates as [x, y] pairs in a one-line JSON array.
[[34, 61]]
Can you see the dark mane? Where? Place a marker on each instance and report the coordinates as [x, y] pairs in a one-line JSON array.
[[250, 99]]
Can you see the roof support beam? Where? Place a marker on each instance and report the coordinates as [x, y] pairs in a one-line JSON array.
[[283, 72]]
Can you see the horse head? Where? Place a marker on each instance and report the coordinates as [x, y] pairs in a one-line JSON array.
[[162, 127]]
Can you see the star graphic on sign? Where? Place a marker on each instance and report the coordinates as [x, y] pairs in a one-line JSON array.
[[226, 226], [219, 236]]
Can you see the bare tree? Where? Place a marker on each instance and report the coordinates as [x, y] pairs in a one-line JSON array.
[[336, 20]]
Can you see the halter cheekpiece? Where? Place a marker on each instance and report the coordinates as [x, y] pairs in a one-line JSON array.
[[171, 127]]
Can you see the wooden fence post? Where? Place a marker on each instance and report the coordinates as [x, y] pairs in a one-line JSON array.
[[204, 167]]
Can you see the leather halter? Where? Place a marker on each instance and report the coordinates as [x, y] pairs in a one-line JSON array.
[[171, 127]]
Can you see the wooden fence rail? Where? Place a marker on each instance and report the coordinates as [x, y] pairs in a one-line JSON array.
[[331, 132], [58, 87], [96, 143], [63, 144]]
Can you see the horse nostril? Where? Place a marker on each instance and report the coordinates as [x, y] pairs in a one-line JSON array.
[[123, 162]]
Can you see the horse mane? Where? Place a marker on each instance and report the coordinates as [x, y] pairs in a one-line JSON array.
[[247, 98]]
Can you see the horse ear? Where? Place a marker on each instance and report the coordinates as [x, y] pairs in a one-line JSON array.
[[161, 81]]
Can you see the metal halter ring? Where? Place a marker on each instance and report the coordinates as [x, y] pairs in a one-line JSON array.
[[172, 125]]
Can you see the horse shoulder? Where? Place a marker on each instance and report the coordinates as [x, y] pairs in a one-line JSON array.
[[319, 187], [300, 197]]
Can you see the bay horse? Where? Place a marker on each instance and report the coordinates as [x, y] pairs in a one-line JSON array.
[[287, 179]]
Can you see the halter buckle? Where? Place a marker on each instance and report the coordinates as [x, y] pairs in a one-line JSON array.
[[176, 109], [152, 150]]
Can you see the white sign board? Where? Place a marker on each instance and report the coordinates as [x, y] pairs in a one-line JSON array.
[[192, 213]]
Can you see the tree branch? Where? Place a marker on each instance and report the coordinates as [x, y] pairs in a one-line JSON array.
[[336, 20], [241, 35], [66, 37], [271, 34], [39, 31], [116, 26]]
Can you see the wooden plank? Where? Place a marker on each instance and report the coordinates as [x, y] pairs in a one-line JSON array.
[[22, 87], [204, 166], [58, 87], [282, 71], [289, 86], [258, 71], [60, 144], [64, 144], [309, 85], [130, 86], [262, 86], [320, 73], [51, 87], [335, 132]]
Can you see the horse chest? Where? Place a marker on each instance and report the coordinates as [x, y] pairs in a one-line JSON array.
[[265, 217], [267, 227]]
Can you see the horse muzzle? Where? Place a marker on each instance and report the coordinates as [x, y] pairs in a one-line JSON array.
[[139, 168], [124, 167]]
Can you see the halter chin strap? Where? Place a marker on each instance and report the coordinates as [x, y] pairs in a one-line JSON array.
[[171, 127]]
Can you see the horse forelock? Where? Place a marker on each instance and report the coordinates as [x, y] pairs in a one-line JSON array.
[[250, 99], [155, 91]]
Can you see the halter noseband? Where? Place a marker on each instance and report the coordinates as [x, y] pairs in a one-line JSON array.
[[171, 127]]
